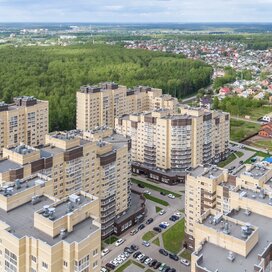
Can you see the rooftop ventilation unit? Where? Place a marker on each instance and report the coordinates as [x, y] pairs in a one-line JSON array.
[[247, 212], [226, 229], [63, 234], [8, 191], [262, 195], [35, 199], [74, 198], [51, 213], [46, 210], [231, 256], [243, 194], [70, 207], [17, 184]]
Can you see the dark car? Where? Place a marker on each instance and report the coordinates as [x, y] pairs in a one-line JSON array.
[[173, 257], [152, 263], [141, 226], [163, 252], [162, 193], [134, 247], [157, 229], [136, 254], [141, 186], [149, 221], [162, 226], [157, 265], [173, 218], [128, 250], [110, 266], [144, 258], [241, 162], [173, 270], [166, 269]]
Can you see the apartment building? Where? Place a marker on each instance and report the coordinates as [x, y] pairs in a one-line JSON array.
[[99, 105], [39, 232], [96, 162], [166, 145], [229, 218], [24, 121]]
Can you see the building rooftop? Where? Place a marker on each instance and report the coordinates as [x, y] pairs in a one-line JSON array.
[[240, 263], [21, 222], [6, 165], [117, 140], [208, 172]]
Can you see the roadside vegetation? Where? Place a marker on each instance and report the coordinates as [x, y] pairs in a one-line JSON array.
[[157, 200], [148, 236]]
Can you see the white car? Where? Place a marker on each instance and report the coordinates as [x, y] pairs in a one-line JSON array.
[[148, 260], [119, 242], [171, 196], [165, 223], [162, 212], [185, 262], [103, 269], [147, 192], [105, 252], [140, 257], [177, 214], [146, 243]]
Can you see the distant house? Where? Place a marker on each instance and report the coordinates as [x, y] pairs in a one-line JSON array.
[[266, 130], [267, 117], [224, 91]]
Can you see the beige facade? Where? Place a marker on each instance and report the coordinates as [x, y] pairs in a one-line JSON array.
[[229, 216], [76, 162], [24, 121], [99, 105], [39, 232], [176, 141]]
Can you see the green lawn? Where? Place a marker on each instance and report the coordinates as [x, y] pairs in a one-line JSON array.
[[154, 187], [229, 159], [256, 113], [158, 209], [259, 154], [240, 130], [149, 270], [186, 254], [174, 236], [127, 264], [263, 144], [157, 200], [110, 240], [239, 154], [149, 235], [156, 241]]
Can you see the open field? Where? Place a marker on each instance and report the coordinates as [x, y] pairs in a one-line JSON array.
[[240, 130]]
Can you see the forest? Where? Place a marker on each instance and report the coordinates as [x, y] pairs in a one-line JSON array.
[[56, 73]]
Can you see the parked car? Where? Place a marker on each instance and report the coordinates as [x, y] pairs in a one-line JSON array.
[[140, 257], [162, 226], [105, 252], [110, 266], [140, 227], [149, 221], [136, 254], [147, 192], [144, 259], [157, 265], [134, 231], [147, 261], [162, 266], [162, 212], [128, 250], [171, 196], [140, 185], [119, 242], [185, 262], [173, 218], [146, 243], [157, 229], [166, 268], [177, 214], [172, 270], [241, 162], [153, 263], [163, 252], [162, 193], [134, 247], [173, 257], [104, 269]]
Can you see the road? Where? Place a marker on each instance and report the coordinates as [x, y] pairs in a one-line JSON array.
[[189, 99], [152, 251], [249, 146], [246, 120], [236, 163]]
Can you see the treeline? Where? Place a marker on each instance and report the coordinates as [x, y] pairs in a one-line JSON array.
[[55, 74], [236, 105]]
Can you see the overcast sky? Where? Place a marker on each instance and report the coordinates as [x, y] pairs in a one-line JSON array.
[[136, 11]]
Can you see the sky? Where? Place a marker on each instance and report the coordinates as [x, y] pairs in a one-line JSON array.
[[135, 11]]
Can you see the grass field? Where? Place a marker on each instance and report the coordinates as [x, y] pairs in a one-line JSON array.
[[149, 235], [264, 144], [156, 242], [229, 159], [173, 237], [154, 187], [239, 130], [186, 254], [110, 240], [257, 113], [127, 264], [158, 209], [157, 200]]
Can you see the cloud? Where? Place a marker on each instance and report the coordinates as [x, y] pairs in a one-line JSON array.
[[135, 11]]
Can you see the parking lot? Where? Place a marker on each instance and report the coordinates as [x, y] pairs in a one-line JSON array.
[[152, 251]]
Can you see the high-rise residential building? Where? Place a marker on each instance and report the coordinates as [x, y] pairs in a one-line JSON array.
[[229, 218], [39, 232], [96, 162], [166, 145], [24, 121], [99, 105]]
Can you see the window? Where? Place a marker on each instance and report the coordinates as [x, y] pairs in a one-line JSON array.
[[44, 265], [95, 264], [65, 263], [33, 258], [95, 252]]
